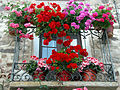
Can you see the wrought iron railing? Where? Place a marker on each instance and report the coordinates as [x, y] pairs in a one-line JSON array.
[[97, 44]]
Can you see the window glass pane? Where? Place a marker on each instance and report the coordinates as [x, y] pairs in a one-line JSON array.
[[51, 43], [74, 42], [46, 52]]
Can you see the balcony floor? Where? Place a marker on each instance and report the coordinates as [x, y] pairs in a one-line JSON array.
[[67, 85]]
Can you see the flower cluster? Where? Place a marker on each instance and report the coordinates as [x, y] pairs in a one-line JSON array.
[[36, 64], [78, 15], [69, 57], [103, 16], [91, 63], [18, 19]]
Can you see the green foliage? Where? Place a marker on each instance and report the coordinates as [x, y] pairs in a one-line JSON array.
[[31, 67]]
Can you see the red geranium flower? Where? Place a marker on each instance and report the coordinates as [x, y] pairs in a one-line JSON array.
[[68, 37], [52, 25], [52, 68], [68, 50], [84, 52], [73, 65], [57, 68], [62, 34], [46, 42], [59, 41], [31, 37], [48, 61], [54, 30], [66, 26], [58, 24]]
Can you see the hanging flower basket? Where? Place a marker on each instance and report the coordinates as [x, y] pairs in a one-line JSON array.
[[89, 75]]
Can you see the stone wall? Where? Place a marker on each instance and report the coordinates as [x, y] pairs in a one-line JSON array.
[[7, 44]]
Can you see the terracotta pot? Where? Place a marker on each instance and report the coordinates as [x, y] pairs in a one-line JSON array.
[[40, 76], [110, 31], [12, 32], [89, 75], [63, 76]]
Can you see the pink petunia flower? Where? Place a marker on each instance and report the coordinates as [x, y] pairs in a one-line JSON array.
[[101, 7], [7, 8]]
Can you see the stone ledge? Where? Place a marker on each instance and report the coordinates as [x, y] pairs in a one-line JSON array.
[[67, 84]]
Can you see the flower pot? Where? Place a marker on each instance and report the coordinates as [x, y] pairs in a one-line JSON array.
[[40, 76], [89, 75], [110, 31], [63, 76], [12, 32]]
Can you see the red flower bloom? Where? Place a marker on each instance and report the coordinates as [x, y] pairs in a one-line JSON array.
[[52, 25], [31, 37], [58, 8], [69, 66], [67, 43], [54, 30], [84, 52], [46, 35], [52, 68], [48, 61], [59, 41], [73, 55], [66, 26], [62, 34], [32, 5], [24, 61], [47, 8], [57, 68], [42, 4], [72, 47], [68, 37], [78, 47], [53, 51], [68, 50], [39, 6], [58, 24], [46, 42], [54, 5], [73, 65]]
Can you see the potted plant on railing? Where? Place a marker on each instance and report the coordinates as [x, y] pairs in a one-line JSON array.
[[18, 19], [104, 19], [78, 16], [37, 68], [66, 61], [89, 68]]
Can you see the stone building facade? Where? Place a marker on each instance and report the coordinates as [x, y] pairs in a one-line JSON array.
[[7, 42]]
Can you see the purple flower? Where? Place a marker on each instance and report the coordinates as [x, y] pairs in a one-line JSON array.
[[88, 5], [72, 12], [79, 6], [76, 8], [73, 5], [68, 7], [73, 24], [81, 3], [87, 23], [86, 28], [86, 9], [91, 9], [77, 26]]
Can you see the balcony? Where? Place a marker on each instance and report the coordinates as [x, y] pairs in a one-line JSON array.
[[97, 45]]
